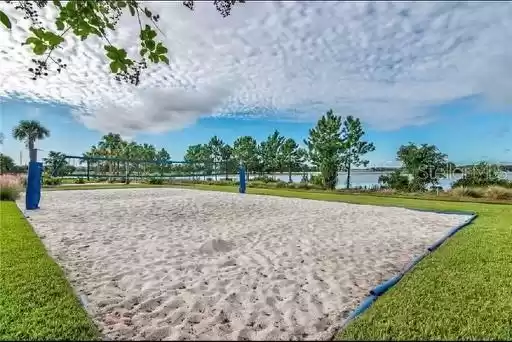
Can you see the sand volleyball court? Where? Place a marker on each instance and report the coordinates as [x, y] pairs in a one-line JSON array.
[[188, 264]]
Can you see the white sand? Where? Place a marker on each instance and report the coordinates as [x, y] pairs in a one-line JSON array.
[[187, 264]]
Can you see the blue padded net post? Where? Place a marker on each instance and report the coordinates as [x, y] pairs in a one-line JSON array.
[[241, 173], [33, 192]]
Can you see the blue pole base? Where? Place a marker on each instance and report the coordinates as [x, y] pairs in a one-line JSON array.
[[33, 191], [242, 186]]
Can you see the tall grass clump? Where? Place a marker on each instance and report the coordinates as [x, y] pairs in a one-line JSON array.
[[10, 187], [463, 191], [498, 193]]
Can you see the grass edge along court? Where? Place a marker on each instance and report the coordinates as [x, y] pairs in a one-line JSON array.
[[36, 300], [461, 291]]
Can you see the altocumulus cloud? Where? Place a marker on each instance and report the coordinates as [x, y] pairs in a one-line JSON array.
[[387, 63]]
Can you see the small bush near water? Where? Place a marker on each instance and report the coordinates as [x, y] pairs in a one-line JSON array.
[[156, 181], [51, 181], [10, 187], [264, 179]]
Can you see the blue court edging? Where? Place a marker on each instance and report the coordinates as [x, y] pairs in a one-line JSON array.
[[380, 289]]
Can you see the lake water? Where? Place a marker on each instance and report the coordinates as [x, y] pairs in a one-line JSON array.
[[371, 179]]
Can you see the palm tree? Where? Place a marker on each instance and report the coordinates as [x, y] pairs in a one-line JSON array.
[[128, 153], [148, 155], [30, 131], [216, 145], [111, 145]]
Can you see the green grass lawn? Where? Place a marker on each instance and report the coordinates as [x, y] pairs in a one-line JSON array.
[[36, 301], [461, 291]]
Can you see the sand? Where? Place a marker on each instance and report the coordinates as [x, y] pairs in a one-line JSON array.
[[188, 264]]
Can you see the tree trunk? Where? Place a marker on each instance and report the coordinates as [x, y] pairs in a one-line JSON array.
[[227, 174], [32, 152], [290, 174], [348, 176]]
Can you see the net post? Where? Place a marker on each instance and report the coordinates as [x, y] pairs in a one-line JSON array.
[[33, 191], [241, 176]]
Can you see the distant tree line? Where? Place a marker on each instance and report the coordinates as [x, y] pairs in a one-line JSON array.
[[335, 144]]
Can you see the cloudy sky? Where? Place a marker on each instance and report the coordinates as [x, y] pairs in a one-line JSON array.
[[433, 72]]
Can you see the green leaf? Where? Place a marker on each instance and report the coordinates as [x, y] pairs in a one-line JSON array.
[[115, 66], [132, 10], [121, 4], [110, 48], [164, 59], [143, 52], [123, 66], [95, 31], [33, 40], [122, 53], [38, 32], [4, 19], [85, 27], [112, 55], [147, 12], [57, 3], [160, 49], [153, 57], [150, 44], [52, 38], [60, 25], [39, 49]]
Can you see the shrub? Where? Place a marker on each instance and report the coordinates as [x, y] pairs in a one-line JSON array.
[[156, 181], [51, 181], [10, 187], [396, 181], [481, 174], [113, 180], [264, 179], [317, 180], [316, 187], [498, 193], [79, 180], [226, 182], [302, 185], [257, 184], [387, 191], [467, 192], [280, 184]]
